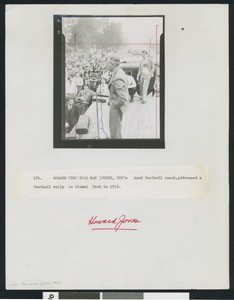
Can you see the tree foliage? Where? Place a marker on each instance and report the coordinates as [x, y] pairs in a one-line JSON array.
[[92, 32]]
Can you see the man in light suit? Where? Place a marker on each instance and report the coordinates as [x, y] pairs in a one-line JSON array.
[[118, 98], [146, 71]]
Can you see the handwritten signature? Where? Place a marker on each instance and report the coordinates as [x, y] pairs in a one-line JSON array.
[[117, 223]]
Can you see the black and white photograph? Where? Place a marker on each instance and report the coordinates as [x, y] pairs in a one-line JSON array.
[[150, 211], [111, 71]]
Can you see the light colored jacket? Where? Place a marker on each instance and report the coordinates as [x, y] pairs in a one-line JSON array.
[[147, 62], [118, 88]]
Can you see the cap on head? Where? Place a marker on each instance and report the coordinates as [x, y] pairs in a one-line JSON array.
[[114, 59], [143, 52]]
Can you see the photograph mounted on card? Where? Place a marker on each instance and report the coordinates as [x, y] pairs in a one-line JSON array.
[[108, 82], [117, 218]]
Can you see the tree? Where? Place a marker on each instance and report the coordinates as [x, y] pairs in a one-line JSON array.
[[92, 32]]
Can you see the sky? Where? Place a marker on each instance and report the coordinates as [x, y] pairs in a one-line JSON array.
[[140, 29], [139, 33]]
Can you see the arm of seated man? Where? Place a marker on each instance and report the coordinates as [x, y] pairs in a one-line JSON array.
[[79, 97]]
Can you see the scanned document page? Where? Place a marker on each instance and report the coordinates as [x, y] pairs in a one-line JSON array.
[[149, 217]]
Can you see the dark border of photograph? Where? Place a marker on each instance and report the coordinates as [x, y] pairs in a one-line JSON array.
[[59, 90]]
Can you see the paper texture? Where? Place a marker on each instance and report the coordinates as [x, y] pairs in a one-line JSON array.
[[181, 236], [160, 183]]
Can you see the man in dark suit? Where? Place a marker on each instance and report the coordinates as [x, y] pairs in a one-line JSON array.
[[71, 115], [118, 98]]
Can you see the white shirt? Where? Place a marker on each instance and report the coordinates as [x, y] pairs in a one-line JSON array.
[[78, 81], [131, 82], [71, 87], [103, 90]]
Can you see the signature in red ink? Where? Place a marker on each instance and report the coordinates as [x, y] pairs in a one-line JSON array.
[[115, 224]]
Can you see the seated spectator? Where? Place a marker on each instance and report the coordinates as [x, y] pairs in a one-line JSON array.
[[131, 85], [78, 80], [84, 99], [71, 115], [70, 89], [93, 78], [87, 79], [81, 71], [103, 91]]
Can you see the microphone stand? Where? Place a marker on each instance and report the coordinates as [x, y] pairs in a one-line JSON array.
[[97, 114], [97, 109]]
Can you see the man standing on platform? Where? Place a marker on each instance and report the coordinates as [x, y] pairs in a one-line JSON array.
[[146, 71], [118, 99]]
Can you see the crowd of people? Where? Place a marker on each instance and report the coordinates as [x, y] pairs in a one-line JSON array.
[[89, 77], [87, 80], [89, 65]]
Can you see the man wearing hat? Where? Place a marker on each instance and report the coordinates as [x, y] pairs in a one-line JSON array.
[[144, 75], [118, 98]]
